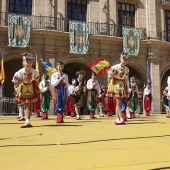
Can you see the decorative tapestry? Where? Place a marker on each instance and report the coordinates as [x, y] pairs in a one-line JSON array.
[[131, 40], [79, 37], [19, 27]]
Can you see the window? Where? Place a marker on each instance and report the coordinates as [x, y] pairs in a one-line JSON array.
[[167, 25], [20, 6], [126, 15], [76, 9]]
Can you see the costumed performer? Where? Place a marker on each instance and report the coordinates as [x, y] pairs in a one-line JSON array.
[[147, 100], [119, 85], [27, 79], [45, 96], [60, 82], [79, 91], [93, 88], [71, 92]]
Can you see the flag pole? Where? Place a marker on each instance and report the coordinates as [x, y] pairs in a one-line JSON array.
[[2, 86]]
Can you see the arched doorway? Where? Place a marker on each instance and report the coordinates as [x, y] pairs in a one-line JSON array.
[[10, 67], [71, 68], [137, 75], [164, 80]]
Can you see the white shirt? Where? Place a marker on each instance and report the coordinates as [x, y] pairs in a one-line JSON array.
[[71, 89], [93, 84], [42, 86], [147, 91], [20, 75], [55, 79]]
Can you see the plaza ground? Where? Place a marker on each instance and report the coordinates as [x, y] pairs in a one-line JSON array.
[[142, 143]]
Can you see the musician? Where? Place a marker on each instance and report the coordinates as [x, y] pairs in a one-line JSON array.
[[93, 94], [60, 82], [27, 79], [79, 91], [118, 85], [45, 96]]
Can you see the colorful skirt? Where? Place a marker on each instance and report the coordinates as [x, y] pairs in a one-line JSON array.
[[117, 88]]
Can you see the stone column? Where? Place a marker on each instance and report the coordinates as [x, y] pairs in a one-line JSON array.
[[3, 5], [155, 76], [151, 19]]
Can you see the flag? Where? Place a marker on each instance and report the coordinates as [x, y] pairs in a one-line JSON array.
[[99, 66], [37, 65], [2, 71], [48, 66], [131, 40], [149, 74], [19, 30], [79, 37]]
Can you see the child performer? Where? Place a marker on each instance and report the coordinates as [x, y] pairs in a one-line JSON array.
[[27, 79], [166, 102], [79, 91], [37, 107], [119, 85], [71, 92], [133, 102], [166, 97], [101, 99], [147, 100], [93, 93], [60, 82], [46, 96]]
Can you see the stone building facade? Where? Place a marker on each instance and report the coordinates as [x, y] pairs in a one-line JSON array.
[[50, 39]]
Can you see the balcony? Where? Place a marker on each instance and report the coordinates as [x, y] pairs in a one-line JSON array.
[[59, 24]]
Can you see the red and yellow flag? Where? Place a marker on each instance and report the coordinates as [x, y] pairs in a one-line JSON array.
[[2, 71], [99, 66]]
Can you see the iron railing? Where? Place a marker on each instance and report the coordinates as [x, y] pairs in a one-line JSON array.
[[9, 106], [59, 24]]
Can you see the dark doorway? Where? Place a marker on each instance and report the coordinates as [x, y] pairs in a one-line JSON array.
[[71, 69], [10, 67]]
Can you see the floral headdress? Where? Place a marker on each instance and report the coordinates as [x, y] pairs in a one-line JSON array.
[[28, 57], [124, 55], [80, 72]]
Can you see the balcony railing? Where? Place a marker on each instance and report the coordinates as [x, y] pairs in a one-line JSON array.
[[59, 24]]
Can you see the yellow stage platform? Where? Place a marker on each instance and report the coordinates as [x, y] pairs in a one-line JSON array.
[[143, 143]]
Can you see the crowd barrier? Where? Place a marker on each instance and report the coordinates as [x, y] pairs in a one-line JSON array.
[[8, 106]]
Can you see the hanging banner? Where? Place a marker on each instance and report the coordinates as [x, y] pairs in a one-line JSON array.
[[19, 27], [79, 37], [131, 40]]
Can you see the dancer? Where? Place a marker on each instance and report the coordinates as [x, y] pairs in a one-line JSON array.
[[101, 100], [37, 107], [60, 82], [166, 98], [166, 102], [133, 100], [147, 100], [71, 92], [46, 96], [93, 93], [79, 91], [27, 79], [118, 85]]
